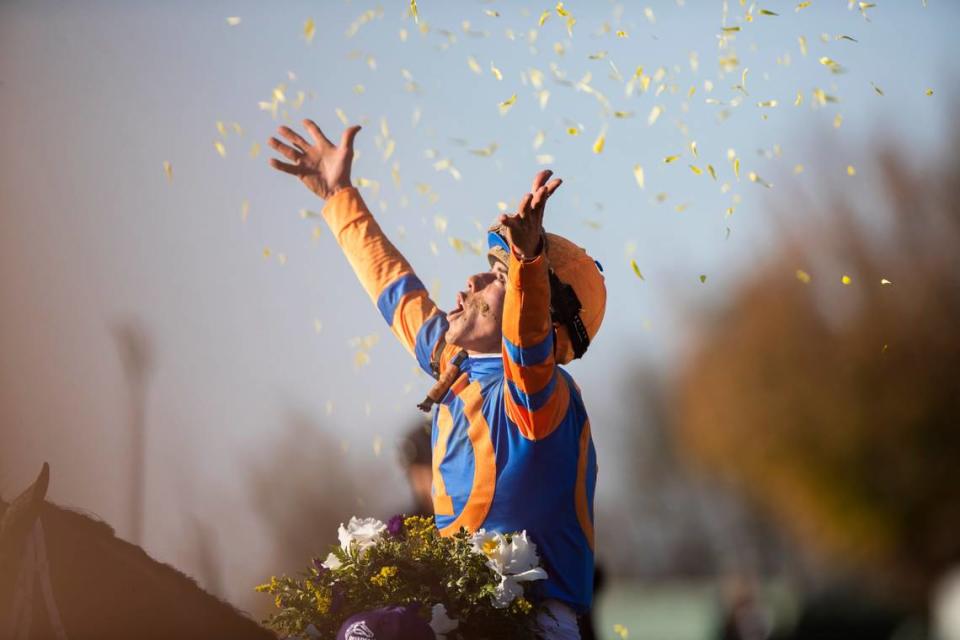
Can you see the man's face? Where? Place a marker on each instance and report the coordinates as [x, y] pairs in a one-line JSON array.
[[475, 323]]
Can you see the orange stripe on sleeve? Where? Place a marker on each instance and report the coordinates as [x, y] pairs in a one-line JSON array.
[[580, 495]]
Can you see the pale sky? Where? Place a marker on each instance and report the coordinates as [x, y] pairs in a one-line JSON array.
[[96, 96]]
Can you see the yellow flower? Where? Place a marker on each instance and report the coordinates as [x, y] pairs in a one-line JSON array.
[[382, 578], [522, 605]]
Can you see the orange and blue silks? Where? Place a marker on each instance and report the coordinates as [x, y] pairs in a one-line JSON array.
[[511, 440]]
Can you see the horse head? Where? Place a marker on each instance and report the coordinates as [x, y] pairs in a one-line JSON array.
[[15, 525]]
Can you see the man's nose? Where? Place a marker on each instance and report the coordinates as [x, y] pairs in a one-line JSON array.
[[476, 282]]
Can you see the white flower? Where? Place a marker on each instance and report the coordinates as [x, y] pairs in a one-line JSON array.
[[332, 562], [514, 561], [441, 623], [360, 534]]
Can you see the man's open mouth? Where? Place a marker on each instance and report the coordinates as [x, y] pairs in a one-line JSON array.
[[459, 308]]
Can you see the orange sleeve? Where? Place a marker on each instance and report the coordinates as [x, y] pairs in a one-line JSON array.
[[385, 275], [536, 396]]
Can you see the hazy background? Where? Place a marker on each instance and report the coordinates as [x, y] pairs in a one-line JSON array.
[[271, 391]]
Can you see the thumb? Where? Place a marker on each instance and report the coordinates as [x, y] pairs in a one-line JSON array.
[[346, 141]]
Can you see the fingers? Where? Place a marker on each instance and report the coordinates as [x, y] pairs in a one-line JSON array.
[[292, 169], [285, 150], [294, 138], [539, 179], [346, 140], [553, 185], [316, 134], [524, 209]]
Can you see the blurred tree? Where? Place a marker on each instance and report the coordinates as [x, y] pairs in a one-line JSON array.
[[837, 405]]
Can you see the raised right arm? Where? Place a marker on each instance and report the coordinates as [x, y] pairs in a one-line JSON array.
[[384, 273]]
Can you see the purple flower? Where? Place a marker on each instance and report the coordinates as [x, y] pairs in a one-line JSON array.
[[395, 525]]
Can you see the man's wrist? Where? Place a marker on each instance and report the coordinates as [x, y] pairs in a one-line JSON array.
[[527, 255]]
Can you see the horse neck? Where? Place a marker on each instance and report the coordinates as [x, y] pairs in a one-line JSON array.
[[108, 588]]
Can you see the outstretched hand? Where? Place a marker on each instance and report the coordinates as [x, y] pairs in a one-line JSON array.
[[322, 167], [524, 230]]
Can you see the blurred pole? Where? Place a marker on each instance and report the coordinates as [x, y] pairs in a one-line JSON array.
[[137, 359]]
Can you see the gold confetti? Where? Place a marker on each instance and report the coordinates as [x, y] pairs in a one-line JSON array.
[[803, 276], [757, 179], [496, 72], [851, 171], [266, 252], [222, 150], [233, 21], [309, 30], [654, 114], [648, 13], [693, 148], [538, 140], [670, 159], [623, 114], [767, 12], [543, 17], [254, 149], [574, 131], [703, 278], [696, 170], [487, 151], [474, 65], [168, 169], [544, 158], [803, 44], [622, 34], [767, 103], [837, 120], [282, 259], [359, 89], [736, 167], [636, 269], [570, 22], [846, 279], [507, 104], [492, 13], [799, 99], [929, 92], [638, 176], [797, 169], [316, 232], [342, 116], [621, 631], [831, 64], [878, 90], [414, 12], [599, 55], [731, 29], [712, 171], [599, 142], [561, 11], [317, 326], [884, 281], [802, 5]]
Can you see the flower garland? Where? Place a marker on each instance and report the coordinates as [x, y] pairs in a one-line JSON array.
[[469, 586]]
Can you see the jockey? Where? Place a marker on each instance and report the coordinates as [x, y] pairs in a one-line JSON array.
[[511, 444]]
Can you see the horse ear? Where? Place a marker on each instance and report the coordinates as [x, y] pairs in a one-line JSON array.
[[24, 509]]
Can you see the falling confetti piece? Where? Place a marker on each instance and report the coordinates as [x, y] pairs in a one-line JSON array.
[[797, 169], [703, 278], [341, 116], [757, 179], [573, 131], [799, 99], [233, 21], [623, 114], [222, 150], [599, 143], [496, 72], [561, 11], [846, 279], [851, 171], [670, 159], [266, 252], [696, 170], [378, 443], [309, 30], [831, 64], [317, 326], [885, 281], [544, 158], [168, 169], [736, 168], [712, 171], [543, 18], [414, 12], [803, 44], [538, 140], [636, 269], [638, 176], [507, 104], [837, 120], [802, 5], [474, 65], [767, 12], [282, 259], [648, 14], [767, 103], [929, 92], [492, 13], [622, 34], [693, 148], [654, 114], [621, 631], [803, 276]]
